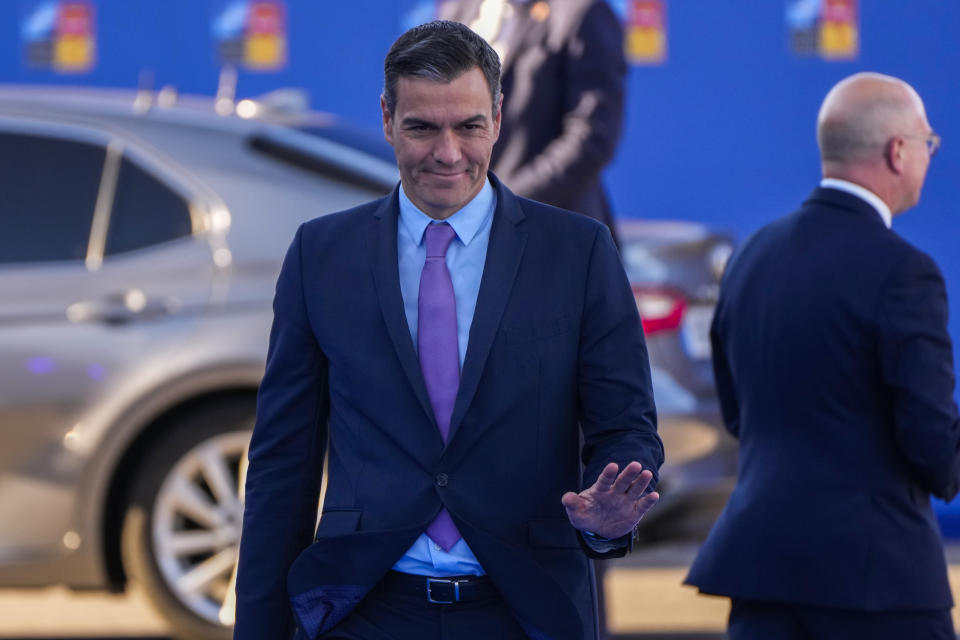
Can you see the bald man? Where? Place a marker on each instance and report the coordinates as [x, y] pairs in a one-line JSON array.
[[834, 370]]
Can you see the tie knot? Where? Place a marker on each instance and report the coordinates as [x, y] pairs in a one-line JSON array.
[[439, 237]]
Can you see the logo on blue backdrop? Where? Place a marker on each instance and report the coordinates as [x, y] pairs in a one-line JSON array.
[[826, 28], [251, 34], [59, 35]]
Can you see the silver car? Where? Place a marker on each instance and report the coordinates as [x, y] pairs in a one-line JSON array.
[[140, 240]]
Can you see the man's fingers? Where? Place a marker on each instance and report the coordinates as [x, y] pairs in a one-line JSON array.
[[647, 502], [639, 485], [628, 477], [608, 477]]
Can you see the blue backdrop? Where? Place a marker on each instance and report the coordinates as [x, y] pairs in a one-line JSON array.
[[722, 132]]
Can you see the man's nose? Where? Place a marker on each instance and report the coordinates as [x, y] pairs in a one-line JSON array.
[[446, 149]]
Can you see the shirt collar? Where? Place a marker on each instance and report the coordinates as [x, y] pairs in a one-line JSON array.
[[864, 194], [466, 222]]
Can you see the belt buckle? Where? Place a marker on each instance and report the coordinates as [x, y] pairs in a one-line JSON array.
[[456, 590]]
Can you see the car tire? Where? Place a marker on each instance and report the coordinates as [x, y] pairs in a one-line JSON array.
[[181, 529]]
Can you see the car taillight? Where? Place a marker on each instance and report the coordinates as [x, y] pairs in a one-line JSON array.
[[660, 309]]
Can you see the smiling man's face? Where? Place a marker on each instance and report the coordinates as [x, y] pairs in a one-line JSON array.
[[442, 134]]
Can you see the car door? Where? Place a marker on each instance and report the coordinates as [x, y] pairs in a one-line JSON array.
[[104, 272]]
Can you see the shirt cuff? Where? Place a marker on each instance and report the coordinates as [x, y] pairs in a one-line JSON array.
[[605, 545]]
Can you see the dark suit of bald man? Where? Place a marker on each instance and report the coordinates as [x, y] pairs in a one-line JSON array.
[[834, 370]]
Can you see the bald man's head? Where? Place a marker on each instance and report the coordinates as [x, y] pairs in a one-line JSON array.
[[872, 130], [861, 113]]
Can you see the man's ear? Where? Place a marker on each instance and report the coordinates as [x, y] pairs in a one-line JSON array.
[[498, 117], [387, 120], [894, 155]]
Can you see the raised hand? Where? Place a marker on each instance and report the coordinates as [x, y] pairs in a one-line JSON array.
[[613, 506]]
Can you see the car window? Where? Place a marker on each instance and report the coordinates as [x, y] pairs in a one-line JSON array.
[[145, 211], [48, 191]]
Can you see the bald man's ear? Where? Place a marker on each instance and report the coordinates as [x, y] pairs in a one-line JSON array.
[[893, 154]]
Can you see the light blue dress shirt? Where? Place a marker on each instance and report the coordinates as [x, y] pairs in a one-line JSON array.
[[465, 260]]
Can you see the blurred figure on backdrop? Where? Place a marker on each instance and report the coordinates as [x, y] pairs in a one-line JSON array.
[[834, 369], [563, 87], [453, 342]]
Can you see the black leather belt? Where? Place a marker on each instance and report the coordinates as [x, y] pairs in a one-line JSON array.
[[445, 590]]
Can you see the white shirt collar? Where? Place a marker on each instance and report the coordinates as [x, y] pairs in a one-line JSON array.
[[864, 194]]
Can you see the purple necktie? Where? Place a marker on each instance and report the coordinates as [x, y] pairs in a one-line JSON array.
[[439, 351]]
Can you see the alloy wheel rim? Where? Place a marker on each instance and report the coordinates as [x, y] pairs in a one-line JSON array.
[[196, 523]]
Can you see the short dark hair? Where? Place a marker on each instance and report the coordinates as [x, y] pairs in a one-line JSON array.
[[440, 51]]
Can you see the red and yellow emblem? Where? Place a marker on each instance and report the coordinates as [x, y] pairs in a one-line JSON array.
[[839, 29], [74, 42], [646, 36], [265, 47]]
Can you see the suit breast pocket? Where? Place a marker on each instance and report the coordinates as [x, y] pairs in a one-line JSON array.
[[535, 332], [547, 347]]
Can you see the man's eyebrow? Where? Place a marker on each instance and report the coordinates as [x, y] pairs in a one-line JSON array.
[[477, 119], [410, 121], [416, 122]]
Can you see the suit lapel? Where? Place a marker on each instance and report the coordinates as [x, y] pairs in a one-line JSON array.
[[382, 242], [499, 272]]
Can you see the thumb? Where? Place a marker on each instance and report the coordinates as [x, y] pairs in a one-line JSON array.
[[571, 500]]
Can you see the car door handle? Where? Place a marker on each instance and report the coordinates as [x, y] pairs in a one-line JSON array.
[[121, 308]]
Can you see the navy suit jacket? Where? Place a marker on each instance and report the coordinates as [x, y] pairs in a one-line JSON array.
[[834, 369], [555, 344]]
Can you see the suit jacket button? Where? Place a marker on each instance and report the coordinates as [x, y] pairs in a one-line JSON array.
[[442, 479]]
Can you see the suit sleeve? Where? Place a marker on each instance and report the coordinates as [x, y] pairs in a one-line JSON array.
[[617, 413], [594, 70], [286, 460], [723, 377], [916, 359]]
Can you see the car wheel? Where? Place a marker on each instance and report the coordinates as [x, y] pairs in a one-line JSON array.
[[182, 528]]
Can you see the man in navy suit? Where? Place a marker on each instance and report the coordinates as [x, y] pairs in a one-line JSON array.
[[446, 348], [834, 370]]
